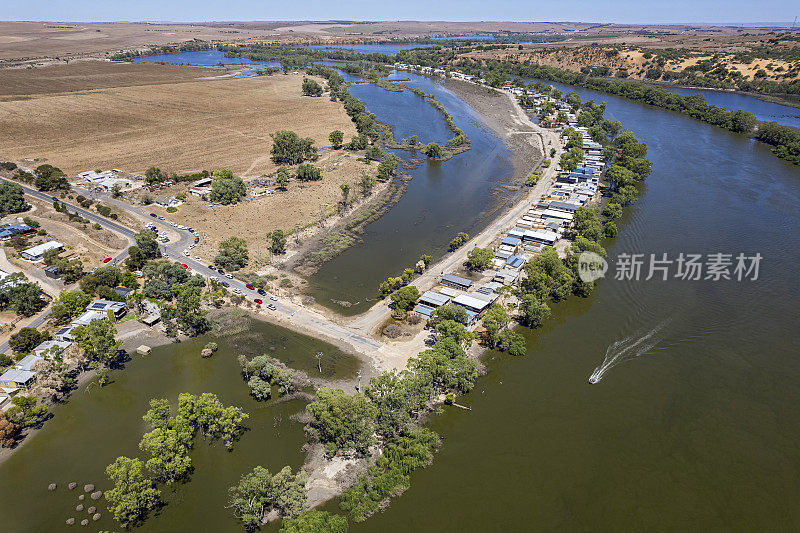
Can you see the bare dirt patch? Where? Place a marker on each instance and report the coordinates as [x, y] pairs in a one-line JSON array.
[[88, 75]]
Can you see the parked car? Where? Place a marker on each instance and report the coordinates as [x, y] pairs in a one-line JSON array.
[[258, 301], [153, 215], [212, 267], [226, 284], [160, 217], [214, 278], [250, 287], [196, 258], [273, 298], [106, 260], [184, 265], [237, 290], [262, 292], [271, 307], [229, 276]]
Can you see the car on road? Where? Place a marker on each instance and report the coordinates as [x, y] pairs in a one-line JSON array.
[[262, 292], [237, 290], [160, 217], [273, 298], [181, 226], [106, 260], [229, 276], [164, 254], [153, 215], [258, 301], [212, 267], [271, 307], [214, 278], [226, 284], [186, 253], [250, 287]]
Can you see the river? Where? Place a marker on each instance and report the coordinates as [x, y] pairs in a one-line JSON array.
[[700, 433]]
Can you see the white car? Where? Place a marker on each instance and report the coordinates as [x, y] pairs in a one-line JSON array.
[[237, 291], [186, 253], [214, 278], [174, 225], [273, 298], [229, 276], [181, 226], [196, 258]]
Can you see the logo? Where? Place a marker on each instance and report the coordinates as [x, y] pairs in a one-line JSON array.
[[591, 266]]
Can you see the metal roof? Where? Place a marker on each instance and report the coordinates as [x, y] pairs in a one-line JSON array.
[[467, 300], [434, 298], [17, 376], [456, 280]]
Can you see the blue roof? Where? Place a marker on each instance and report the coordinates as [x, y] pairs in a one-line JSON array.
[[515, 261], [424, 310], [512, 241]]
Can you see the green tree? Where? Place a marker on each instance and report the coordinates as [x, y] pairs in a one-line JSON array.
[[69, 305], [450, 311], [458, 240], [233, 254], [282, 178], [512, 342], [495, 319], [226, 188], [612, 211], [12, 198], [534, 311], [97, 339], [342, 422], [454, 330], [146, 241], [336, 138], [345, 192], [169, 460], [20, 295], [259, 389], [191, 319], [277, 241], [259, 492], [289, 148], [315, 522], [480, 258], [367, 183], [433, 150], [387, 166], [311, 88], [154, 175], [405, 297], [610, 230], [26, 339], [308, 172], [134, 495]]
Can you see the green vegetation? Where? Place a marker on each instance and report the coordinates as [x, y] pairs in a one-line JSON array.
[[315, 522], [336, 138], [308, 172], [458, 241], [226, 188], [405, 297], [288, 148], [311, 88], [260, 492], [264, 373], [69, 305], [50, 178], [12, 198], [233, 254], [480, 259], [168, 442], [389, 476], [20, 295]]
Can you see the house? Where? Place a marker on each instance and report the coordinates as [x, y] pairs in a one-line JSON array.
[[86, 318], [470, 303], [449, 291], [423, 311], [554, 213], [14, 230], [506, 276], [202, 182], [515, 262], [118, 308], [569, 207], [200, 192], [15, 379], [51, 346], [511, 241], [64, 334], [35, 253], [52, 272], [165, 200], [433, 299], [27, 362], [456, 282], [540, 236]]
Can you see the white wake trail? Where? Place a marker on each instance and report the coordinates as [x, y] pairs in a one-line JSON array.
[[628, 348]]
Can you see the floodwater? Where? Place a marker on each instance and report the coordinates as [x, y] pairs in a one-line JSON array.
[[99, 424], [697, 433], [388, 49]]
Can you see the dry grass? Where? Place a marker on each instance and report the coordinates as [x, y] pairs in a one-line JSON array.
[[179, 127], [88, 75]]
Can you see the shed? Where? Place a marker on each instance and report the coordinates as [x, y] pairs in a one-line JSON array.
[[471, 303], [456, 281], [143, 350], [511, 241], [35, 253], [515, 261], [423, 311], [433, 299]]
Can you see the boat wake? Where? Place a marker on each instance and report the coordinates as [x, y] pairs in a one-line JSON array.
[[631, 347]]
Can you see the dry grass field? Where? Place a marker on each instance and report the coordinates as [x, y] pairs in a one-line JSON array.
[[90, 74], [180, 127], [21, 41]]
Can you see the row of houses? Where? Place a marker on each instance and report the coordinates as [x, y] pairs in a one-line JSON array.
[[22, 375], [456, 289]]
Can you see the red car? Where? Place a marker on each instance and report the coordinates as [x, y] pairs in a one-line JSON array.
[[106, 260], [153, 215], [184, 265], [250, 287], [258, 301]]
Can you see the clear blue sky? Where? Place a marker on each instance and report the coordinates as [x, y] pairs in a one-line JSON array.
[[623, 11]]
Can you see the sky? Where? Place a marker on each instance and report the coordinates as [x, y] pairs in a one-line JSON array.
[[621, 11]]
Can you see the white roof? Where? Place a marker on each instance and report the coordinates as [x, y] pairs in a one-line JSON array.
[[449, 291], [86, 318], [541, 235], [555, 213], [470, 301], [39, 249]]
